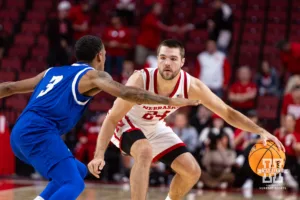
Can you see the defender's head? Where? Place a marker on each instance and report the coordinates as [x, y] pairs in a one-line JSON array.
[[170, 57], [90, 49]]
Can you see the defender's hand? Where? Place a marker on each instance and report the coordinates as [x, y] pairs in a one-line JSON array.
[[95, 166], [265, 136], [183, 102]]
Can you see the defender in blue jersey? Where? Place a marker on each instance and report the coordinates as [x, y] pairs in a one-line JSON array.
[[60, 95]]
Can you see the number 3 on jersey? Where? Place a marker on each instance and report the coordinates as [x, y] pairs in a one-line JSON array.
[[151, 114], [52, 83]]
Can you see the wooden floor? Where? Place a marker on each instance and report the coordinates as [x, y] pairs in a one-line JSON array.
[[28, 190]]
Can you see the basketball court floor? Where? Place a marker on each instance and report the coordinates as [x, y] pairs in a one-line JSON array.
[[28, 190]]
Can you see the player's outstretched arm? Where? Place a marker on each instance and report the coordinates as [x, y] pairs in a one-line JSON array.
[[200, 91], [23, 86], [103, 81]]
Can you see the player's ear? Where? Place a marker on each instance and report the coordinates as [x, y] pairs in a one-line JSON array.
[[182, 62], [99, 57]]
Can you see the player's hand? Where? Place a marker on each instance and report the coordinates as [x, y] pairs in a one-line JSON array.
[[265, 136], [183, 102], [95, 166]]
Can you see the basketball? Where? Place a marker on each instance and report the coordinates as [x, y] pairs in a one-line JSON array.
[[266, 160]]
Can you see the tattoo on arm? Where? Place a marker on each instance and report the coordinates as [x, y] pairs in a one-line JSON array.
[[132, 94]]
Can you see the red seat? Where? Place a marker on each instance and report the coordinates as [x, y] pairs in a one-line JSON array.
[[253, 28], [97, 30], [18, 52], [97, 106], [35, 66], [277, 17], [35, 16], [255, 16], [279, 5], [24, 40], [184, 4], [8, 26], [7, 76], [276, 29], [194, 48], [10, 115], [257, 5], [273, 39], [31, 28], [42, 41], [267, 107], [16, 4], [198, 36], [10, 14], [26, 75], [252, 38], [295, 18], [42, 5], [11, 64], [16, 102], [39, 53]]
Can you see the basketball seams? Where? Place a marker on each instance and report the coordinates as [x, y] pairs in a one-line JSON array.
[[258, 149], [263, 156]]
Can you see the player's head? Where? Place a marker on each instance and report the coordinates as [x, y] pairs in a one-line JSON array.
[[244, 74], [217, 4], [211, 46], [283, 45], [289, 122], [90, 49], [157, 8], [296, 92], [170, 58], [181, 120]]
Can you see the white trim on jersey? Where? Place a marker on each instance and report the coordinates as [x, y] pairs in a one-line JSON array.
[[74, 84], [47, 71]]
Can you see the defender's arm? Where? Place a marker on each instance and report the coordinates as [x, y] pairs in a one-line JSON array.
[[201, 92], [103, 81], [23, 86]]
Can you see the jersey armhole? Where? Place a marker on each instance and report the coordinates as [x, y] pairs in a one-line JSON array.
[[80, 99]]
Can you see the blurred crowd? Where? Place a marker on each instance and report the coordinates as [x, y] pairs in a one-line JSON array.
[[221, 150]]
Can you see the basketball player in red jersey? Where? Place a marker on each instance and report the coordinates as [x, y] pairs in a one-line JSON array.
[[138, 129]]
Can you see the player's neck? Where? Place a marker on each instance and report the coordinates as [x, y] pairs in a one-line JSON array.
[[165, 87]]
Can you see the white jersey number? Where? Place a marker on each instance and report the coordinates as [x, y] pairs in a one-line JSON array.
[[52, 83]]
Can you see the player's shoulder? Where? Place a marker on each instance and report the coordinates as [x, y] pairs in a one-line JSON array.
[[136, 79]]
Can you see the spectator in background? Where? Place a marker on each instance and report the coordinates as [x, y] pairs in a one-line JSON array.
[[126, 9], [218, 127], [291, 141], [291, 105], [87, 139], [150, 34], [218, 160], [243, 92], [79, 16], [151, 62], [242, 139], [60, 36], [116, 38], [290, 56], [220, 28], [128, 69], [202, 119], [292, 81], [267, 80], [186, 132], [213, 68]]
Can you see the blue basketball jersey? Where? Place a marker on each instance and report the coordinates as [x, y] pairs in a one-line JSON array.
[[57, 99]]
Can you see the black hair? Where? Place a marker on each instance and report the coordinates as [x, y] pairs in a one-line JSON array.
[[87, 47], [171, 43]]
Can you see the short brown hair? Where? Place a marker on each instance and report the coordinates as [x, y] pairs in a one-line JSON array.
[[171, 43]]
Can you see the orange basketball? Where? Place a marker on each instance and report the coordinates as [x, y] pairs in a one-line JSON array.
[[266, 160]]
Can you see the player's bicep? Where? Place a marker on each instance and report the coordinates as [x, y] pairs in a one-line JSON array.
[[26, 85], [199, 91]]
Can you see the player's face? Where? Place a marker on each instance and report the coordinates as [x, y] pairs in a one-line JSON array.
[[169, 62]]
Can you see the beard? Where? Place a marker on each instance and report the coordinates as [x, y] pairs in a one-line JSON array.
[[168, 75]]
